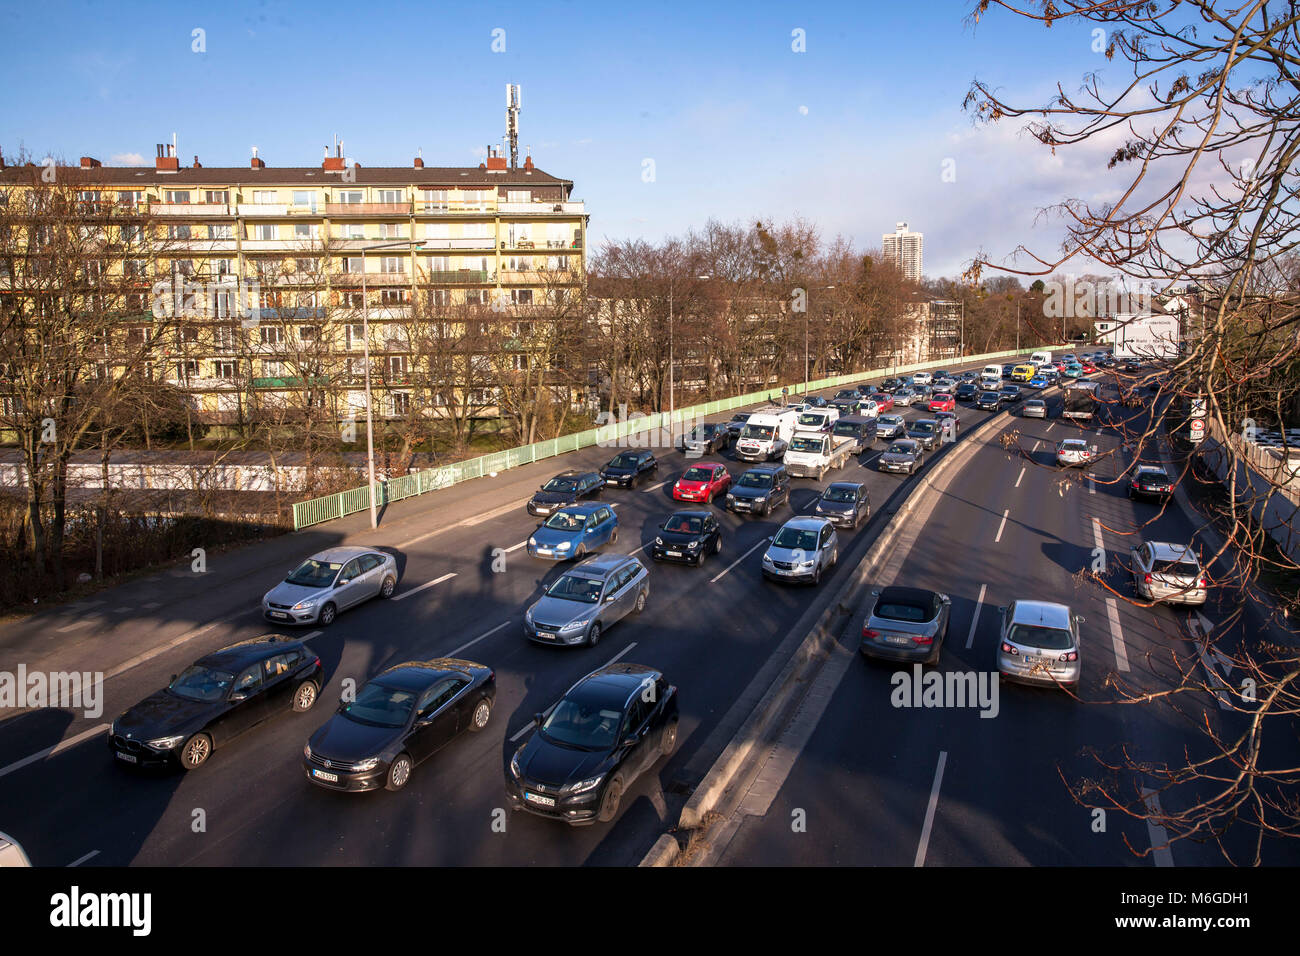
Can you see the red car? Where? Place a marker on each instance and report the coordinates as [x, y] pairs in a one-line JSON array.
[[884, 402], [1088, 368], [943, 402], [702, 483]]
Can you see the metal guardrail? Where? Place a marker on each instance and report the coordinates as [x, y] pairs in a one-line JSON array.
[[317, 510]]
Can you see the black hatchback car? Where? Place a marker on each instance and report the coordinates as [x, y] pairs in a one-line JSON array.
[[966, 392], [402, 716], [844, 503], [566, 488], [591, 747], [759, 490], [989, 401], [1150, 481], [627, 468], [216, 699], [688, 536]]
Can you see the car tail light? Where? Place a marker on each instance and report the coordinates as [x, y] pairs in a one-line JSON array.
[[1146, 578], [922, 639], [1009, 649], [1202, 582], [1070, 656], [1135, 483], [868, 632], [317, 664]]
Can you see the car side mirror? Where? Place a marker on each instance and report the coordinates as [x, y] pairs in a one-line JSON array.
[[609, 598], [342, 581], [238, 695], [538, 718], [172, 680], [1079, 619], [663, 526]]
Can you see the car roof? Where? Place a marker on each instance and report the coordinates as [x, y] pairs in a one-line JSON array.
[[602, 563], [804, 523], [1044, 613], [853, 419], [843, 484], [764, 469], [575, 474], [615, 682], [253, 649], [417, 675], [586, 508], [341, 553], [905, 595], [691, 513], [1168, 551], [924, 421], [1149, 468], [905, 441]]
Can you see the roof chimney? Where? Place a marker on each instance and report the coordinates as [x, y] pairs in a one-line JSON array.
[[335, 163], [197, 164], [528, 160], [89, 162], [256, 163], [419, 159], [166, 160], [494, 158]]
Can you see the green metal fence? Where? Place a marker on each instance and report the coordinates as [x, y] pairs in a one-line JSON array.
[[316, 510]]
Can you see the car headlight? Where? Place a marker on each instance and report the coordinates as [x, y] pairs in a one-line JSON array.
[[306, 603], [363, 765], [582, 786], [693, 545], [563, 546], [574, 625], [165, 743], [532, 542], [731, 498], [806, 564], [659, 541], [306, 750], [820, 508], [528, 615], [759, 501], [514, 766], [767, 558]]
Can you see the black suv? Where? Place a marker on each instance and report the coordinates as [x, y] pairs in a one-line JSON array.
[[214, 700], [760, 490]]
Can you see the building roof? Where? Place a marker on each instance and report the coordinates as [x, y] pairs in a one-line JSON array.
[[140, 177]]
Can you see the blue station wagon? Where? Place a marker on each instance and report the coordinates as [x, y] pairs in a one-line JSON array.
[[573, 532]]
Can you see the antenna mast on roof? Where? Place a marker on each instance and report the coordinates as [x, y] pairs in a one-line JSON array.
[[512, 122]]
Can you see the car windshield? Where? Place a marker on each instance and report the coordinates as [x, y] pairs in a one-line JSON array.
[[901, 448], [891, 419], [839, 494], [806, 444], [848, 393], [922, 428], [314, 574], [1035, 403], [623, 461], [755, 480], [740, 418], [796, 538], [990, 397], [1034, 635], [684, 524], [812, 418], [1073, 445], [560, 484], [1152, 474], [380, 706], [583, 724], [575, 587], [697, 473], [201, 683], [1177, 569], [566, 521], [899, 611], [761, 432]]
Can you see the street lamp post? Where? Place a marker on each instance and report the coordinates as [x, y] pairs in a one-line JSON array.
[[365, 339]]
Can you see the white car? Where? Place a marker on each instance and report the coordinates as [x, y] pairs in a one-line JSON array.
[[11, 854], [922, 378], [1074, 451], [1168, 572]]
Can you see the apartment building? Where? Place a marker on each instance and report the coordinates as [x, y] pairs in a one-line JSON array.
[[903, 248], [272, 282]]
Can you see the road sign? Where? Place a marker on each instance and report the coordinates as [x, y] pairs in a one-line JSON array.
[[1196, 430]]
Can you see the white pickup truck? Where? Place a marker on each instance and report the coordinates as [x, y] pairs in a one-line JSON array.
[[813, 453]]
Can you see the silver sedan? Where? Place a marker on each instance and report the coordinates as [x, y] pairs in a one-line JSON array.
[[330, 582]]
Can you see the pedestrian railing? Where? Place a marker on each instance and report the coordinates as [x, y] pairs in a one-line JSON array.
[[329, 507]]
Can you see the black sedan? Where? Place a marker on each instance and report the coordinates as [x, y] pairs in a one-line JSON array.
[[1150, 481], [966, 392], [989, 401], [404, 715], [1011, 393], [627, 468], [688, 536], [566, 488], [214, 700], [844, 503], [704, 439], [816, 401], [737, 424], [610, 727]]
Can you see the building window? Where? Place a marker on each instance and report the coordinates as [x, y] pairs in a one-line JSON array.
[[221, 231], [223, 336], [393, 196], [264, 197], [391, 230], [217, 196], [130, 197], [392, 264], [401, 402], [521, 296], [304, 230], [439, 263], [348, 196], [394, 296], [183, 267], [264, 231], [476, 297], [187, 369], [178, 232], [353, 264], [187, 334], [356, 336], [272, 368], [395, 366], [439, 298], [305, 198], [271, 334], [436, 200], [178, 195], [519, 361], [352, 230], [308, 333], [131, 234], [227, 370], [519, 195]]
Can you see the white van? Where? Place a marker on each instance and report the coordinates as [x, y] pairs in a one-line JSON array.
[[817, 419], [1041, 358], [766, 435], [992, 370]]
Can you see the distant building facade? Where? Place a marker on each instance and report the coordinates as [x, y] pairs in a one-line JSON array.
[[903, 248]]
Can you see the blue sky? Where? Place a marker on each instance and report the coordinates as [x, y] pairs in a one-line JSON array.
[[851, 135]]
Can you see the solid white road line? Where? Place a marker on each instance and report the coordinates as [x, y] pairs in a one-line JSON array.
[[516, 547], [1096, 535], [975, 617], [1092, 485], [929, 810], [470, 644], [738, 560], [1019, 476], [527, 727], [1162, 854], [428, 584], [1116, 635], [151, 605], [57, 748], [1002, 525], [308, 637], [1036, 444], [82, 859], [1049, 428]]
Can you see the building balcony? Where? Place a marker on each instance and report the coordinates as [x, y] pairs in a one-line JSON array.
[[289, 381], [486, 243], [457, 277], [542, 207], [262, 209], [372, 278], [197, 209], [458, 208], [345, 209]]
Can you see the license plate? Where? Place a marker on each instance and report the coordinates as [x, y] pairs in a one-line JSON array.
[[280, 615], [129, 758], [323, 775], [1035, 661], [673, 554], [543, 550], [611, 481], [897, 639], [539, 799]]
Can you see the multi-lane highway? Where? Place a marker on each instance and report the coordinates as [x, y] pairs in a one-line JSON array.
[[867, 776]]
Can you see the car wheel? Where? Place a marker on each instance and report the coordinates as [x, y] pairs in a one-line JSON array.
[[327, 614], [593, 636], [305, 696], [609, 803], [581, 552], [388, 587], [699, 558], [482, 713], [835, 555], [640, 598], [668, 742], [196, 751], [613, 536], [817, 574], [717, 545], [399, 772]]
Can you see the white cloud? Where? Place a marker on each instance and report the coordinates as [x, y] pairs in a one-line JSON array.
[[128, 159]]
